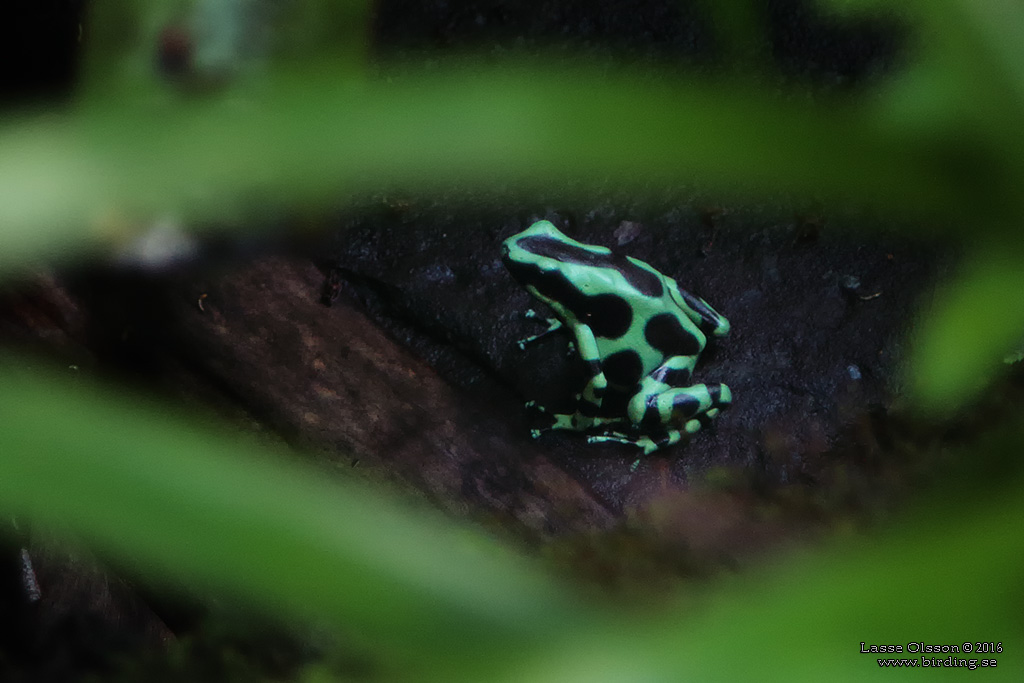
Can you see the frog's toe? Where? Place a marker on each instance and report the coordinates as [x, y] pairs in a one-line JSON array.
[[612, 437], [721, 396], [526, 341], [541, 419], [539, 412]]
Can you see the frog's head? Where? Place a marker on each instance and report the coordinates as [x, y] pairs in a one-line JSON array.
[[581, 282], [538, 252], [556, 268], [541, 245]]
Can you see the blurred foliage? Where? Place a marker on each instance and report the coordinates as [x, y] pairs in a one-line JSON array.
[[276, 121], [182, 501], [977, 320], [317, 138]]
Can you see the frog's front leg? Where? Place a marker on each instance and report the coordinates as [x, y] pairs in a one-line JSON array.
[[589, 400], [554, 324]]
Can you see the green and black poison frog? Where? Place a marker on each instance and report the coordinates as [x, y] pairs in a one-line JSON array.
[[637, 331]]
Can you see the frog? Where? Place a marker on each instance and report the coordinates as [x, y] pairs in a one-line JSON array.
[[638, 333]]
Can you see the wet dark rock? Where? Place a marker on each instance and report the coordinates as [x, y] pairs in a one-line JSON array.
[[792, 336]]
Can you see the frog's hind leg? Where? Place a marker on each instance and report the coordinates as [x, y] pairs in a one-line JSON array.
[[689, 408], [714, 398], [669, 417]]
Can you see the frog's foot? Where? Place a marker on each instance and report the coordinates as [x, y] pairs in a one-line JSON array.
[[572, 422], [552, 323], [551, 420], [643, 441], [714, 399]]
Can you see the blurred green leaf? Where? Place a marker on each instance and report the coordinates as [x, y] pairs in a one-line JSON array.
[[998, 25], [181, 501], [940, 577], [976, 320], [965, 92], [948, 574], [315, 137], [741, 32], [974, 42], [325, 29]]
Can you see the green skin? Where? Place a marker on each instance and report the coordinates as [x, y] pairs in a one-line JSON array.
[[620, 308]]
